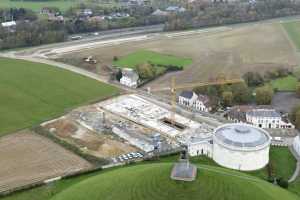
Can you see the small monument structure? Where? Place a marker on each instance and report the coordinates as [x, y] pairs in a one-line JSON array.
[[183, 170]]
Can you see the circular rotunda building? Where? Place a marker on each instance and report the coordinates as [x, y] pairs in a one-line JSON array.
[[241, 146]]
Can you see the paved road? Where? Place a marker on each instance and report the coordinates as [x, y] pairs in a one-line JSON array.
[[297, 170]]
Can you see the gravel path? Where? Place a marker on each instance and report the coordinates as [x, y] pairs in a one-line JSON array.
[[297, 170]]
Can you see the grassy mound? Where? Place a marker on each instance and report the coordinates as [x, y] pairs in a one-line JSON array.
[[143, 56], [34, 92], [152, 182]]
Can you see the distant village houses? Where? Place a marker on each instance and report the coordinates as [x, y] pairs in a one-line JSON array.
[[46, 10], [134, 2], [129, 78], [87, 12], [192, 100], [175, 9], [96, 18], [54, 17], [159, 12], [259, 116], [117, 15], [10, 25]]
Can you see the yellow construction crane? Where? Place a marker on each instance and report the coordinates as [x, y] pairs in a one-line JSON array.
[[174, 88]]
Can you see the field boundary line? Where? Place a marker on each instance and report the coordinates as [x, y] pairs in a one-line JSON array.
[[292, 44]]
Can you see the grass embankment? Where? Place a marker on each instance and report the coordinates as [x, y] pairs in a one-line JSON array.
[[283, 164], [281, 158], [152, 181], [295, 186], [288, 83], [144, 56], [34, 92]]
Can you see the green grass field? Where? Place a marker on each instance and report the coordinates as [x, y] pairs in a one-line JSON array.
[[37, 5], [143, 56], [281, 158], [283, 163], [293, 30], [288, 83], [34, 92], [152, 181], [295, 186]]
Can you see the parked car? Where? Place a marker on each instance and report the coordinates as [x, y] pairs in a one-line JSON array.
[[77, 37]]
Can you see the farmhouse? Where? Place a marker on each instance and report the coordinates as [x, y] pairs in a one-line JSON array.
[[129, 78], [53, 17], [238, 113], [175, 9], [202, 103], [85, 13], [267, 118], [10, 25], [259, 116], [159, 12], [45, 10], [192, 100], [187, 98]]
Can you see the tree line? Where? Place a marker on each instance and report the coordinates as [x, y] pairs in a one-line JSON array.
[[256, 88], [32, 30], [201, 14]]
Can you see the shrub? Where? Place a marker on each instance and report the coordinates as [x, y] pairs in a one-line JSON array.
[[298, 89], [271, 179], [253, 79], [227, 98], [119, 75], [282, 72], [264, 95], [115, 58], [146, 71], [282, 183]]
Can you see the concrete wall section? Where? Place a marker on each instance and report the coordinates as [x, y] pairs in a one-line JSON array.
[[240, 160]]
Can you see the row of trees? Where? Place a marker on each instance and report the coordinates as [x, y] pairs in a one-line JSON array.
[[226, 94], [7, 14], [237, 94], [295, 116], [241, 93], [139, 16], [32, 30], [32, 34], [201, 13]]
